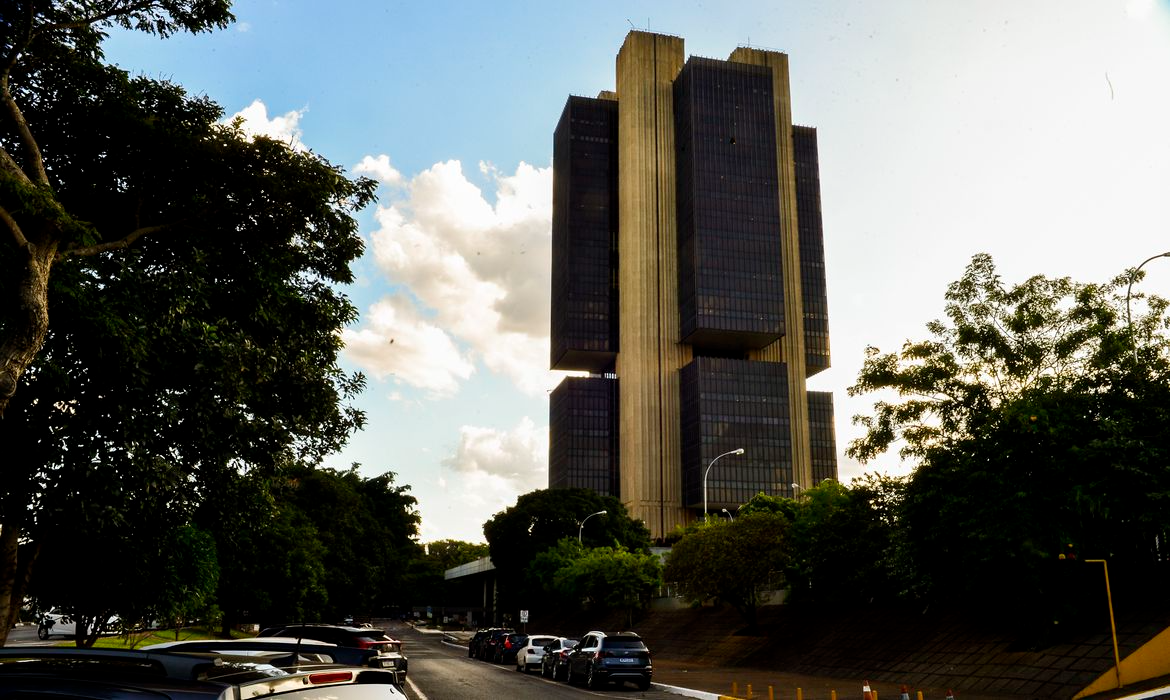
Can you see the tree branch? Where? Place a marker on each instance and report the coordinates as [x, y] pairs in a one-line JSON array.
[[125, 242], [14, 229]]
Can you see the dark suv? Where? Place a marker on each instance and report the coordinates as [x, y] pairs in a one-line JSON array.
[[600, 659], [475, 644], [389, 649], [210, 670], [508, 646], [487, 648]]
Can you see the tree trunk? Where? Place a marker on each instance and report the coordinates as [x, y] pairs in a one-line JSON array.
[[28, 318], [9, 604]]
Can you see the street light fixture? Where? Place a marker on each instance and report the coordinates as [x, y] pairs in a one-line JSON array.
[[1128, 289], [581, 529], [729, 515], [708, 471]]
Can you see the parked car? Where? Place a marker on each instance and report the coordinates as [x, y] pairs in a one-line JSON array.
[[508, 646], [600, 659], [487, 648], [556, 658], [389, 649], [529, 656], [57, 622], [477, 640], [239, 669]]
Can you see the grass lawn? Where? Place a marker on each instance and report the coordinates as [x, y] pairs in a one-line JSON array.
[[137, 640]]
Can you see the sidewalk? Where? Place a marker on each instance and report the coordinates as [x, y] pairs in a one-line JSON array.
[[711, 683]]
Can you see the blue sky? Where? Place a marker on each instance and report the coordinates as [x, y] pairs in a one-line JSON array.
[[1034, 131]]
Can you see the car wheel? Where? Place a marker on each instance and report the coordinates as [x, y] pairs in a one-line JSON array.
[[592, 681], [43, 631], [644, 684]]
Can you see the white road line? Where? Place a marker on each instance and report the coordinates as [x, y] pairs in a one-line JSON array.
[[421, 695]]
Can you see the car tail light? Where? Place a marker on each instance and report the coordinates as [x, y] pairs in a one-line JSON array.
[[364, 643], [330, 677]]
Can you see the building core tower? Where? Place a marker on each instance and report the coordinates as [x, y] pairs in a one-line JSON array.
[[689, 281]]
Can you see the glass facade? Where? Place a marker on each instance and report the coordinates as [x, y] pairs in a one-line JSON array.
[[730, 284], [583, 415], [728, 404], [812, 249], [822, 435], [689, 393], [584, 229]]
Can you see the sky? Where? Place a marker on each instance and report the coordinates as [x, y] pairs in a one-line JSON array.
[[1032, 130]]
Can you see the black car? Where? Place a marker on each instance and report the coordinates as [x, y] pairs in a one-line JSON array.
[[600, 659], [389, 649], [487, 648], [508, 646], [210, 670], [555, 664], [477, 640]]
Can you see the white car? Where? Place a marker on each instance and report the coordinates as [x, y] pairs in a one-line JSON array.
[[57, 622], [532, 653]]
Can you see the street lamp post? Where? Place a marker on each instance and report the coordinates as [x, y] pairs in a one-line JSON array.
[[729, 515], [1109, 599], [1128, 289], [581, 529], [708, 471]]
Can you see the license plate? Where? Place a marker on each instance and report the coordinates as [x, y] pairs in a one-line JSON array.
[[628, 661]]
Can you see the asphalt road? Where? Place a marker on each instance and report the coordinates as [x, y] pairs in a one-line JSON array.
[[440, 671]]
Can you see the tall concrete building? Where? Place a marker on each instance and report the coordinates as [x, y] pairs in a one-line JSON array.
[[689, 282]]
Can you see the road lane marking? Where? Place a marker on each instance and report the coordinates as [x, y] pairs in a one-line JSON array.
[[421, 695]]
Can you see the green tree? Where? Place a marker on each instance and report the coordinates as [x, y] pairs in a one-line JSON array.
[[367, 529], [194, 297], [540, 519], [843, 543], [610, 578], [447, 554], [731, 562], [1035, 418]]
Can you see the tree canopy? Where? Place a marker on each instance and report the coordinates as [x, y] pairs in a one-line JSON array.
[[540, 519], [732, 561], [1035, 420], [191, 272]]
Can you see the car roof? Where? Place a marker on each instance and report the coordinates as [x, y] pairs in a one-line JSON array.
[[203, 668]]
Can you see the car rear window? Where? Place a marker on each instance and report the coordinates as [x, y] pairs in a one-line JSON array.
[[541, 641], [611, 643]]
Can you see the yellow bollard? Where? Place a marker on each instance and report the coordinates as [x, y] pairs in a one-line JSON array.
[[799, 693], [832, 695], [749, 695], [734, 689], [920, 695]]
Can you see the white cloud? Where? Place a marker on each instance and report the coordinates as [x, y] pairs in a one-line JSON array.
[[484, 475], [397, 342], [518, 456], [284, 128], [477, 270], [379, 167]]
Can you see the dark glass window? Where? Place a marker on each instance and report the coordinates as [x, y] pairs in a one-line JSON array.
[[729, 404], [584, 228], [730, 281], [812, 249], [583, 442]]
